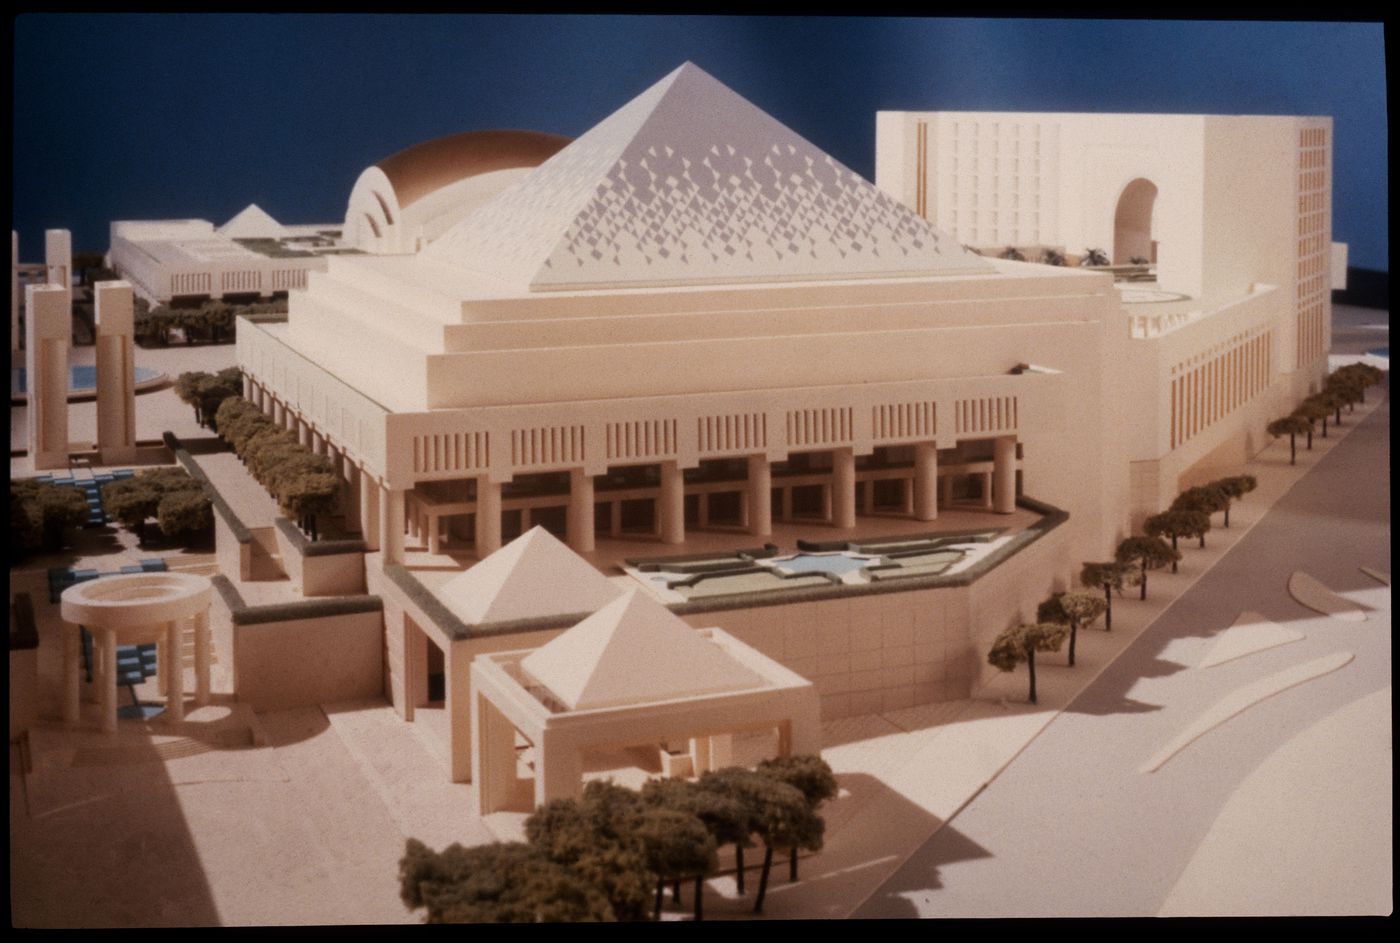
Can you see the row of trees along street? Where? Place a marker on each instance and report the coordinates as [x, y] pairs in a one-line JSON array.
[[1345, 386], [212, 322], [1062, 615], [303, 483], [612, 854]]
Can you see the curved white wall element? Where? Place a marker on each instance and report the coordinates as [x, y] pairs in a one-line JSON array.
[[1237, 702], [1250, 633], [1309, 592]]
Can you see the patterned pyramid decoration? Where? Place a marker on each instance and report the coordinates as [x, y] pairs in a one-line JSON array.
[[691, 184]]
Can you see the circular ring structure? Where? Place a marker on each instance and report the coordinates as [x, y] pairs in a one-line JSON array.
[[137, 599]]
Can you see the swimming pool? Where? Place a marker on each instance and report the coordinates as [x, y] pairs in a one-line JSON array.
[[82, 381]]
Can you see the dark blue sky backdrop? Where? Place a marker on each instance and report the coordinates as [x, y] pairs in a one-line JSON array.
[[163, 116]]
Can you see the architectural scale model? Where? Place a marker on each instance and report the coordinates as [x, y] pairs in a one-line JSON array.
[[682, 430]]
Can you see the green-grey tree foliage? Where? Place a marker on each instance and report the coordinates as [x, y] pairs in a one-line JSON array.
[[724, 817], [187, 514], [497, 883], [1235, 487], [308, 496], [811, 776], [1177, 523], [131, 502], [1312, 411], [187, 389], [1013, 254], [1147, 553], [1052, 257], [677, 846], [1107, 576], [1291, 426], [597, 838], [1075, 610], [1094, 257], [42, 514], [778, 814], [1019, 643]]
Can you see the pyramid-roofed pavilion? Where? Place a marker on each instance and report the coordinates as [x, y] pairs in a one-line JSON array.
[[533, 576], [252, 222], [634, 650], [690, 183]]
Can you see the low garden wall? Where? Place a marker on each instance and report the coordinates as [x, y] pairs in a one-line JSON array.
[[321, 567]]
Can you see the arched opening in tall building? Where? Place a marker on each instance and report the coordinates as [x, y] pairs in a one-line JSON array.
[[1132, 223]]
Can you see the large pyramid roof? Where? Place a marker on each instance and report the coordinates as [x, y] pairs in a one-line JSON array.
[[252, 222], [631, 651], [533, 576], [689, 183]]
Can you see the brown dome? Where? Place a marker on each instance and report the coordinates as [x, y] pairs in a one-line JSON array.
[[425, 168]]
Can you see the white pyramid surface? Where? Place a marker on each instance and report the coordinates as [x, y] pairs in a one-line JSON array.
[[690, 183], [252, 222], [534, 575], [634, 650]]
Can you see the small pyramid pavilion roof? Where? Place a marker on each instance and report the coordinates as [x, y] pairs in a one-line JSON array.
[[252, 222], [690, 183], [533, 576], [634, 650]]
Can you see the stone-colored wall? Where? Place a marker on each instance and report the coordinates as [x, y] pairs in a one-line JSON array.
[[281, 665]]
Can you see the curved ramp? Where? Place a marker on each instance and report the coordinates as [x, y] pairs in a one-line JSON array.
[[1380, 576], [1237, 702], [1250, 633], [1309, 592]]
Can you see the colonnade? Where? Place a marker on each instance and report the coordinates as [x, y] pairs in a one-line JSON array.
[[388, 515]]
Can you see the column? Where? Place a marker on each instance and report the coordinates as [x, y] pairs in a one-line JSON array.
[[670, 506], [104, 644], [354, 495], [580, 513], [558, 770], [946, 485], [58, 260], [760, 496], [369, 511], [72, 671], [392, 521], [303, 431], [488, 516], [201, 658], [1004, 475], [116, 372], [48, 329], [14, 296], [493, 756], [925, 481], [175, 668], [843, 488]]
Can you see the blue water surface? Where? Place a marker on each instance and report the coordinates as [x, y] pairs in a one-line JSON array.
[[80, 378], [837, 564]]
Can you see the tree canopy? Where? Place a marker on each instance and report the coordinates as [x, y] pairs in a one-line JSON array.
[[1148, 553], [1019, 643], [496, 883]]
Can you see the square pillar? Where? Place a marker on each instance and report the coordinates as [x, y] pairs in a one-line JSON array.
[[558, 770], [369, 511], [48, 328], [116, 372], [671, 504], [354, 499], [760, 496], [488, 516], [1004, 474], [14, 296], [580, 514], [925, 481], [843, 488], [392, 524], [201, 658], [493, 756], [58, 260]]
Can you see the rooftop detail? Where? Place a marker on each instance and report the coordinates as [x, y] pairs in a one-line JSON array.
[[690, 183]]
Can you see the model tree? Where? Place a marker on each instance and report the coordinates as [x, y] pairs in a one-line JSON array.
[[1107, 576], [496, 883], [597, 837], [778, 814], [1235, 487], [41, 514], [1334, 398], [811, 776], [185, 514], [1019, 643], [1311, 411], [1146, 553], [1094, 257], [677, 846], [131, 502], [1013, 254], [1176, 523], [1052, 257], [1074, 610], [1291, 426], [724, 817]]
